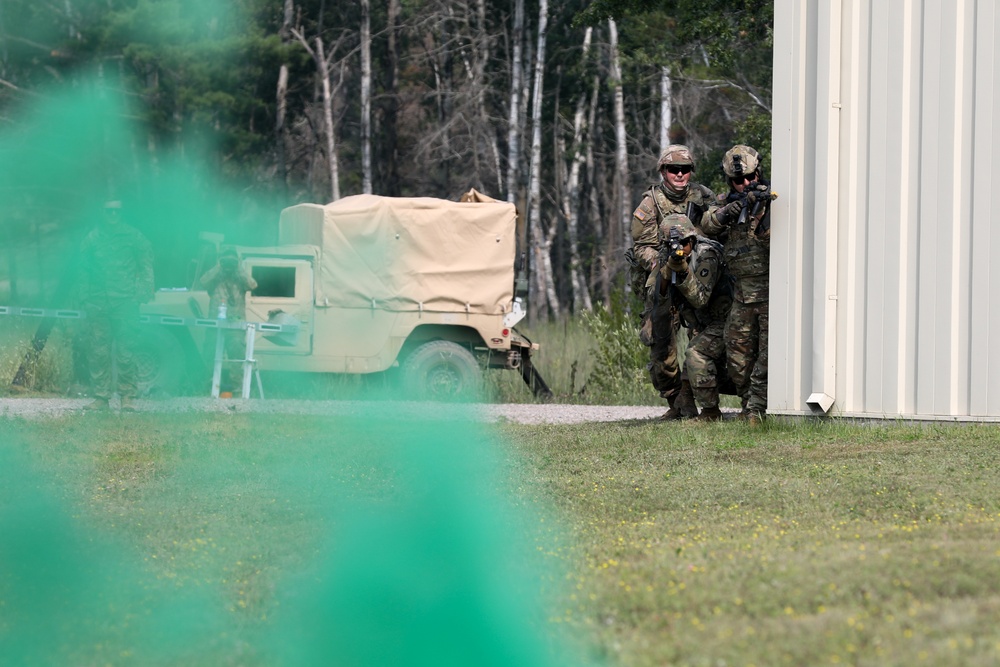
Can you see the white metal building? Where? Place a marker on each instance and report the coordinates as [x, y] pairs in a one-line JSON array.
[[886, 157]]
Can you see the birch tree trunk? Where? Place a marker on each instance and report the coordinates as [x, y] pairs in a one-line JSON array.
[[282, 95], [666, 113], [513, 118], [366, 98], [624, 233], [389, 133], [324, 66], [542, 274], [479, 80], [571, 197], [599, 222], [331, 140]]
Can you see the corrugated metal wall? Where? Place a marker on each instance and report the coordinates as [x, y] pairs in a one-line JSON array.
[[885, 259]]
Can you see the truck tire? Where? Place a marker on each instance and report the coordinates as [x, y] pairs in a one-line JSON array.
[[441, 371], [159, 363]]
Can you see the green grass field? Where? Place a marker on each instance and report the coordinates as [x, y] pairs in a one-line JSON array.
[[269, 540], [800, 544]]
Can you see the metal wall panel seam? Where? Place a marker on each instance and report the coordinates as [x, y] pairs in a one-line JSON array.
[[904, 374], [796, 204], [824, 366], [788, 165], [850, 308], [959, 177]]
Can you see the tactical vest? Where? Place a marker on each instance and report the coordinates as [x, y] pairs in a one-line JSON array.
[[748, 256], [721, 299], [694, 205]]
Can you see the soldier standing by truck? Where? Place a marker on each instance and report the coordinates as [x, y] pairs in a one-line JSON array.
[[695, 265], [116, 276], [227, 284], [744, 216], [674, 194]]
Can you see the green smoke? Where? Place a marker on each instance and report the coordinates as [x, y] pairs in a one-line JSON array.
[[272, 540]]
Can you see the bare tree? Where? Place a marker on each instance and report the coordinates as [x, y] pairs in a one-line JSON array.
[[513, 118], [282, 95], [324, 66], [597, 219], [390, 105], [571, 197], [666, 114], [541, 239], [477, 79], [366, 98], [621, 152]]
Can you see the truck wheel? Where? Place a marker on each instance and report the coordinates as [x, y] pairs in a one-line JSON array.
[[159, 363], [441, 371]]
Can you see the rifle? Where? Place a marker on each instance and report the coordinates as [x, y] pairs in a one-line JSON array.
[[694, 213], [672, 246], [760, 199]]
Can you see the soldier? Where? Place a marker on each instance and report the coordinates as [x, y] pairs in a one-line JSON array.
[[116, 276], [675, 194], [744, 217], [227, 284], [695, 265]]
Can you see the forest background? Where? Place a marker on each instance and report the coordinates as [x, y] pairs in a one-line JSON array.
[[560, 106]]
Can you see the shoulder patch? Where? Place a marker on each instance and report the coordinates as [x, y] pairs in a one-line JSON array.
[[703, 273], [643, 210]]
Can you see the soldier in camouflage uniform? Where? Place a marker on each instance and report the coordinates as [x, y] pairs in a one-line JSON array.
[[116, 276], [675, 194], [743, 217], [697, 269], [227, 284]]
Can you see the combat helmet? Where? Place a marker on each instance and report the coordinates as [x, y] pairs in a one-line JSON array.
[[680, 222], [740, 160], [678, 154]]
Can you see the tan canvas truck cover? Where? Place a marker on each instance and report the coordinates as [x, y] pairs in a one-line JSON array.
[[409, 254]]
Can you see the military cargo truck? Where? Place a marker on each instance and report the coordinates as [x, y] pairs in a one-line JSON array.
[[373, 283]]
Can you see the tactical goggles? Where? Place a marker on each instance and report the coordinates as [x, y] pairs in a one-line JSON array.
[[745, 178], [677, 168]]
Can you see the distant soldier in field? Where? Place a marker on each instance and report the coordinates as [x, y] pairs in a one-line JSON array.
[[660, 325], [694, 264], [116, 276], [743, 216], [227, 284]]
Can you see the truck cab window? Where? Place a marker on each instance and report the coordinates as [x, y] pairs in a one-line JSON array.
[[274, 281]]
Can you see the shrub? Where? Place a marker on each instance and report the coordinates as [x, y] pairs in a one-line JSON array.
[[619, 374]]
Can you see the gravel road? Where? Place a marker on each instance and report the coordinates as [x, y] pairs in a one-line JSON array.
[[35, 408]]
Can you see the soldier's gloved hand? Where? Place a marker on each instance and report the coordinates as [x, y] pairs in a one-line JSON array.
[[677, 263], [729, 212], [758, 193], [664, 257]]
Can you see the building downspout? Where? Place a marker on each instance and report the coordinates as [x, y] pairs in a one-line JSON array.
[[827, 213]]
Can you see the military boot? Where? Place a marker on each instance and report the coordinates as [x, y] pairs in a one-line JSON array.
[[685, 402], [671, 415], [682, 405], [756, 418], [709, 415]]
